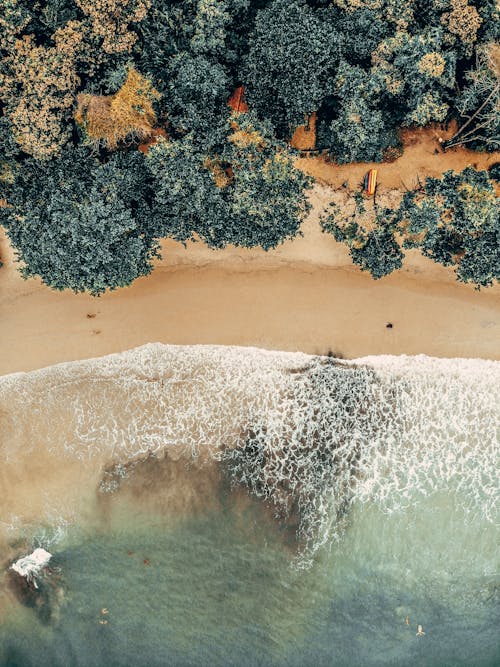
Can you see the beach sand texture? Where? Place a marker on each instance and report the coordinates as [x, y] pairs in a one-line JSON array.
[[306, 295]]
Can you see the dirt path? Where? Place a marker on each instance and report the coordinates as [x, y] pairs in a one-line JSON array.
[[422, 157]]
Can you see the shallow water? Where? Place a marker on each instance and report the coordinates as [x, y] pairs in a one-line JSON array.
[[169, 484]]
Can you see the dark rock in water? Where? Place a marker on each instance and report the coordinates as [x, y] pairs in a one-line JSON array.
[[36, 585]]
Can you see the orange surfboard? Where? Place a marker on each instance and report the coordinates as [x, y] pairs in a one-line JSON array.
[[371, 182]]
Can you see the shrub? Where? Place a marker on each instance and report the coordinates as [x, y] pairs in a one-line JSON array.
[[372, 242], [454, 221]]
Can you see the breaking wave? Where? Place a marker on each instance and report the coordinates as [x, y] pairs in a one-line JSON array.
[[311, 435]]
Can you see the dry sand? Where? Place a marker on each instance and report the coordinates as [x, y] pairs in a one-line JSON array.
[[306, 295]]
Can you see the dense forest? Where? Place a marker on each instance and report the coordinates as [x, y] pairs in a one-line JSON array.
[[115, 127]]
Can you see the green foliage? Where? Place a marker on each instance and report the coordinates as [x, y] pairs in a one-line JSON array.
[[494, 172], [197, 93], [415, 73], [80, 224], [198, 27], [366, 68], [361, 32], [186, 200], [268, 199], [359, 132], [292, 52], [248, 195], [454, 221], [209, 27], [372, 246]]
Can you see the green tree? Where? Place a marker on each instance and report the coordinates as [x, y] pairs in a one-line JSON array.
[[186, 199], [268, 194], [211, 19], [361, 31], [247, 193], [197, 93], [455, 221], [196, 27], [359, 132], [415, 75], [80, 224], [371, 239], [292, 52]]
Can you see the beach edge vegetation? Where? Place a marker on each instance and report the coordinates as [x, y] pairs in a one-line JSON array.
[[120, 125]]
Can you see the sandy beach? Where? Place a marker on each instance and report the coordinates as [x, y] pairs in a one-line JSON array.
[[306, 295]]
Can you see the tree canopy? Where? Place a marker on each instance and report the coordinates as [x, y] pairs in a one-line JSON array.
[[292, 53], [84, 82], [454, 220], [82, 224], [248, 194]]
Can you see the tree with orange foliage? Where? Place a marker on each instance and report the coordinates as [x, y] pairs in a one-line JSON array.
[[128, 114]]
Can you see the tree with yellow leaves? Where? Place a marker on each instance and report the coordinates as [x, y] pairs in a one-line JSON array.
[[462, 22], [111, 20], [128, 114]]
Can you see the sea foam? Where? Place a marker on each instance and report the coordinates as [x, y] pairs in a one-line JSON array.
[[311, 435]]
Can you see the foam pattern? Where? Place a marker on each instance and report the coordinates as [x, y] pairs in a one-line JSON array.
[[311, 435]]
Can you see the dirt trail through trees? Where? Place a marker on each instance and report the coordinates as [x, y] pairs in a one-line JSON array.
[[422, 157]]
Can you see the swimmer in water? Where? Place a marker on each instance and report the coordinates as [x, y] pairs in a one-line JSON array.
[[407, 620], [420, 631], [102, 622]]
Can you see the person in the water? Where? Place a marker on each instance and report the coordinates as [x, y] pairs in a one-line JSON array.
[[420, 631]]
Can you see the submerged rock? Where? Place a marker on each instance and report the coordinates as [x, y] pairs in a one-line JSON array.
[[36, 585]]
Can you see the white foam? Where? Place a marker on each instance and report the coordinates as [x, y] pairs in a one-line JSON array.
[[30, 566], [310, 434]]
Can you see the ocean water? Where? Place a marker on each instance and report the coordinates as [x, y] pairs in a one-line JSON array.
[[234, 506]]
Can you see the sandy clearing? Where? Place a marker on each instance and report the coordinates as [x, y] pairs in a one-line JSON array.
[[422, 157]]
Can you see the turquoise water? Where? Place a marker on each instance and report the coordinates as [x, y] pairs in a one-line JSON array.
[[240, 507], [219, 589]]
